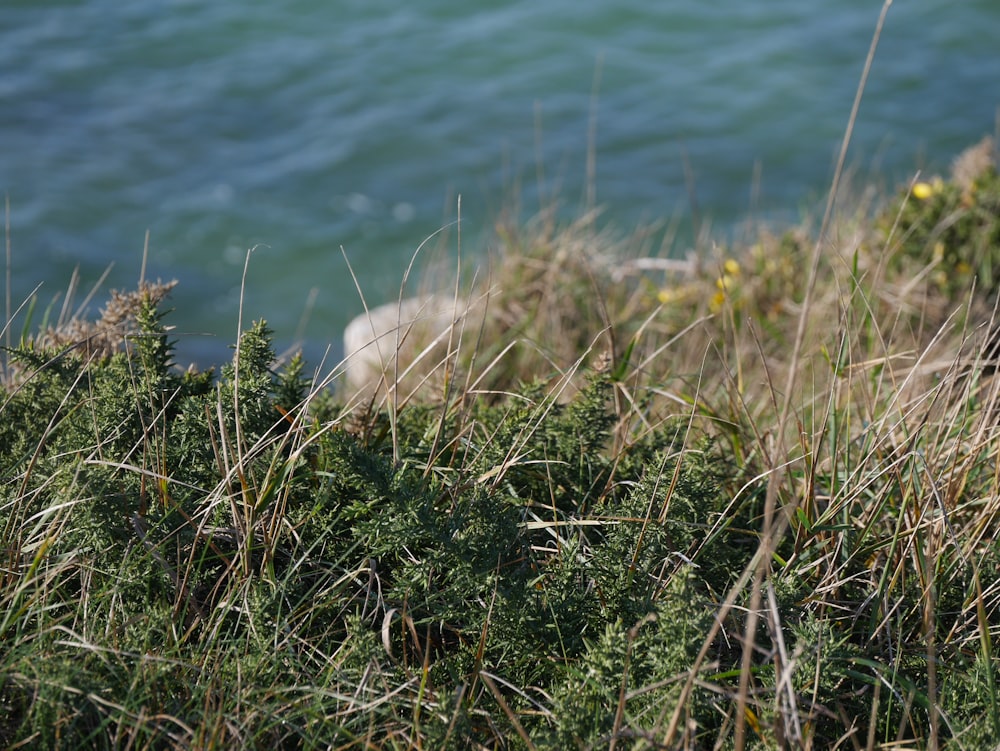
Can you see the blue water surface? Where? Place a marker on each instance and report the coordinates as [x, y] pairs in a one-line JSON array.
[[316, 129]]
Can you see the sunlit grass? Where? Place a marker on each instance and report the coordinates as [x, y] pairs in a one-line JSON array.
[[547, 532]]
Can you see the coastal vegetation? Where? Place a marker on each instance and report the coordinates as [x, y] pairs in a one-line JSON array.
[[749, 500]]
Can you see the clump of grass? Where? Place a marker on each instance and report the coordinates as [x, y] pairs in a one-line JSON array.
[[556, 548], [635, 503], [884, 498], [198, 563]]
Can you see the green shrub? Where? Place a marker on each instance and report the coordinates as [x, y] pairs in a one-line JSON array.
[[951, 228]]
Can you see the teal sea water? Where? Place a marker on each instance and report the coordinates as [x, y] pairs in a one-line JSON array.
[[303, 127]]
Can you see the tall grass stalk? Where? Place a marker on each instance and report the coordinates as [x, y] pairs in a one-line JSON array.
[[771, 530]]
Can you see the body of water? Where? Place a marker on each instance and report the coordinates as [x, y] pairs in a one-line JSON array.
[[304, 127]]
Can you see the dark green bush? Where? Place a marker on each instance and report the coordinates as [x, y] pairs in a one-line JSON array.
[[194, 561]]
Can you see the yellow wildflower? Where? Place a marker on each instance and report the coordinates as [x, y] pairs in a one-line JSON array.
[[731, 267], [923, 191]]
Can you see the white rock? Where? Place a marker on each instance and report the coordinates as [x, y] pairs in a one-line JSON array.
[[416, 328]]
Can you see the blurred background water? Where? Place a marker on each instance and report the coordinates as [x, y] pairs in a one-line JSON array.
[[307, 126]]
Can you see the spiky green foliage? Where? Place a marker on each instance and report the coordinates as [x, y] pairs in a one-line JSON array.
[[188, 535], [619, 556]]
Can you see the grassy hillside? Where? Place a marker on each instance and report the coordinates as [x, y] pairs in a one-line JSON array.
[[748, 500]]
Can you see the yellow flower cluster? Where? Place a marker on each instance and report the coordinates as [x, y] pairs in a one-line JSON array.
[[725, 284], [667, 295], [684, 294], [923, 191]]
